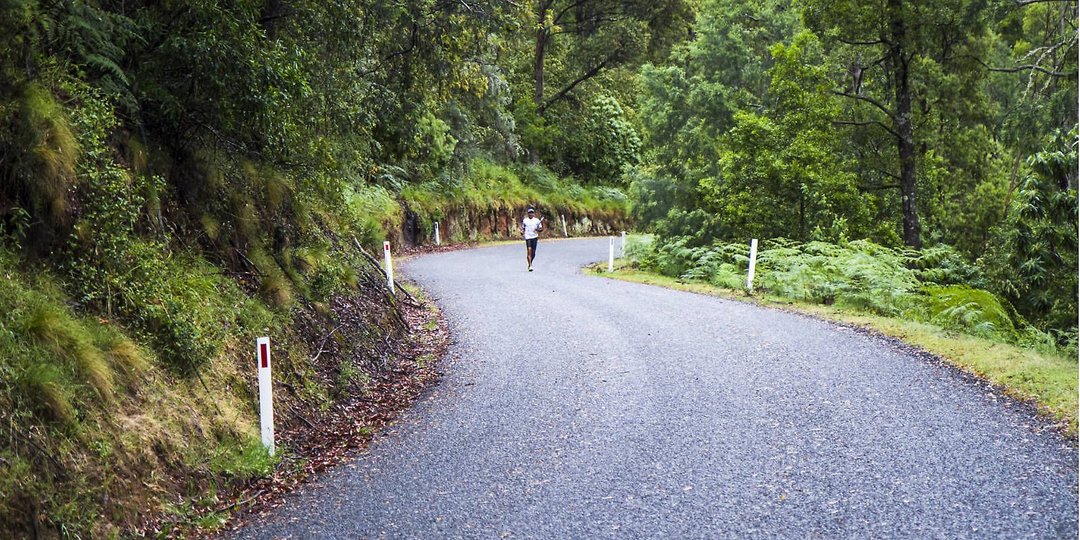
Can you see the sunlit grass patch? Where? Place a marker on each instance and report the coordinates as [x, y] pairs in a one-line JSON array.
[[48, 392], [65, 338]]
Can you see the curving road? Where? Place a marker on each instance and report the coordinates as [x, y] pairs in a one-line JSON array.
[[579, 407]]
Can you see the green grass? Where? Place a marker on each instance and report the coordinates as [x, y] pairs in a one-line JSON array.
[[488, 189], [243, 459], [100, 431], [1050, 381]]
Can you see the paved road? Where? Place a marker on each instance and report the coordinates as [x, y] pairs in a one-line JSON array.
[[581, 407]]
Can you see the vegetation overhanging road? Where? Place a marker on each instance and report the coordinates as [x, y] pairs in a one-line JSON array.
[[579, 407]]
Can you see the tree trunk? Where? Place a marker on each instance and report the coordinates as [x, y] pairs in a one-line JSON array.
[[272, 11], [538, 68], [904, 127]]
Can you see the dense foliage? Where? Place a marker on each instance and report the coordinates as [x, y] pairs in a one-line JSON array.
[[934, 285], [176, 176], [944, 123], [184, 175]]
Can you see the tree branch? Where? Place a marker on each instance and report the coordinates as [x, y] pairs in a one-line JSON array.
[[863, 43], [586, 76], [1031, 67], [414, 35], [555, 20], [1026, 67], [867, 123], [869, 100], [571, 27], [1022, 3]]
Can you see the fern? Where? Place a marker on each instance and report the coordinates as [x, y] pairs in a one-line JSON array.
[[92, 39], [967, 309]]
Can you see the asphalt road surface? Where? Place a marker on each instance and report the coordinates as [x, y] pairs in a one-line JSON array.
[[580, 407]]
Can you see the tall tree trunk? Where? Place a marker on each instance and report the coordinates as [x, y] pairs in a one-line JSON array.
[[904, 128], [272, 12], [538, 68]]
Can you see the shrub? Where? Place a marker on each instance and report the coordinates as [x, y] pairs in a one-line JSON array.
[[944, 265], [935, 285], [41, 151], [973, 311], [859, 274]]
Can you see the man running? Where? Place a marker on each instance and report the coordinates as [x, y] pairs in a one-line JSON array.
[[530, 229]]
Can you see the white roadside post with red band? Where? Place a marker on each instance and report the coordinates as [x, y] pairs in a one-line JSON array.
[[611, 254], [266, 393], [753, 263], [389, 266], [437, 233]]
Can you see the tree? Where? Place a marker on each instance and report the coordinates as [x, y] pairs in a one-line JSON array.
[[1033, 259], [920, 73], [690, 103], [782, 171], [592, 36], [875, 37]]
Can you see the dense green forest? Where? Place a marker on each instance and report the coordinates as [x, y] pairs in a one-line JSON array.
[[909, 124], [178, 177]]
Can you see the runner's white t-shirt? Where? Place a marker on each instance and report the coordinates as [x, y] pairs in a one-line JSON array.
[[531, 225]]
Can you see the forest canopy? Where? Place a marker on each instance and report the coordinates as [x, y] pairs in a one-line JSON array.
[[179, 176], [949, 122]]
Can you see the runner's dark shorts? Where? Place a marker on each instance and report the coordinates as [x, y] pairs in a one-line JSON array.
[[531, 243]]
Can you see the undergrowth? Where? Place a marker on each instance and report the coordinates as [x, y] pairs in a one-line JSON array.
[[935, 285], [150, 231], [488, 188]]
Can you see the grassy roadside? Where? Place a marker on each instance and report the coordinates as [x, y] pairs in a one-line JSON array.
[[1047, 381]]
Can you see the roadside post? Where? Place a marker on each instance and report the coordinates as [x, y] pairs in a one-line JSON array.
[[437, 233], [266, 393], [622, 245], [611, 254], [389, 266], [565, 235], [753, 263]]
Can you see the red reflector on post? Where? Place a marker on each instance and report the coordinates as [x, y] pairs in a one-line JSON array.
[[263, 357]]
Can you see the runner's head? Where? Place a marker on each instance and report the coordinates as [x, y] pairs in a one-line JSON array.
[[531, 212]]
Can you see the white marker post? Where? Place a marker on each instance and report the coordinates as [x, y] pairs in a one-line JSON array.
[[266, 393], [611, 254], [753, 263], [565, 235], [622, 245], [437, 233], [389, 266]]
